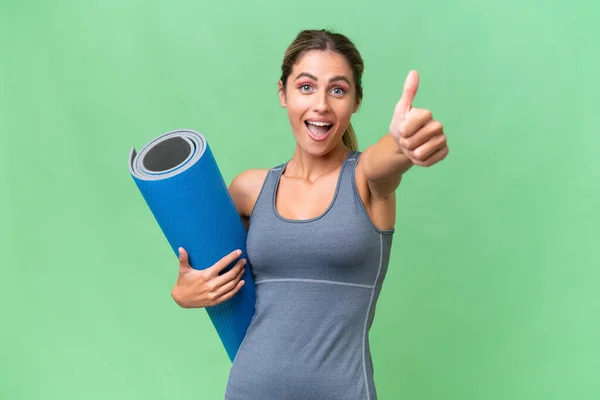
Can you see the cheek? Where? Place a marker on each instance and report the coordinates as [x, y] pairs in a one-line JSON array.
[[295, 113], [296, 108], [344, 111], [298, 104]]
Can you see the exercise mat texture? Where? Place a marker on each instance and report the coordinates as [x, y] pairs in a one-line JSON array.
[[180, 180]]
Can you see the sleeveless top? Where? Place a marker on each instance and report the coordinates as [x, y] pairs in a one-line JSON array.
[[317, 283]]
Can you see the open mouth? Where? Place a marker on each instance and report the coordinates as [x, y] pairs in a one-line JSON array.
[[318, 130]]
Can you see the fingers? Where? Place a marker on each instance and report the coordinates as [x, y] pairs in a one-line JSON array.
[[223, 263], [414, 130], [429, 153], [230, 275], [417, 119], [230, 294], [429, 130], [434, 158], [223, 286], [411, 84]]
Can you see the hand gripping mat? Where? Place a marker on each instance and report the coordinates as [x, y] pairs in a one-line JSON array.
[[183, 187]]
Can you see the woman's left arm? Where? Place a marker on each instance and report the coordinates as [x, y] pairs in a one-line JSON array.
[[415, 138]]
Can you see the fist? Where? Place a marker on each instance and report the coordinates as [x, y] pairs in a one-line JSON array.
[[417, 135]]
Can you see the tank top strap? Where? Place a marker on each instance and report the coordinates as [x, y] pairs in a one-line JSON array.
[[347, 185], [264, 202], [345, 190]]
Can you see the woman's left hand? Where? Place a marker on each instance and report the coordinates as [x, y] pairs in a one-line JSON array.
[[417, 135]]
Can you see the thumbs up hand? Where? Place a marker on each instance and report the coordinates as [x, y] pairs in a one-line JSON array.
[[417, 135]]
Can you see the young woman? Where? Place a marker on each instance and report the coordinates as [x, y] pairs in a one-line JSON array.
[[320, 229]]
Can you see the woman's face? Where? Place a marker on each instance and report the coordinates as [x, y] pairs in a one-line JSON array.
[[320, 97]]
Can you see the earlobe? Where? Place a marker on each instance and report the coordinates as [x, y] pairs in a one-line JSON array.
[[282, 95]]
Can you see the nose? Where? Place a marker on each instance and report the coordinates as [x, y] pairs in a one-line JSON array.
[[321, 103]]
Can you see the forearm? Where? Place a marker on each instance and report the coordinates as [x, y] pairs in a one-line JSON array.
[[384, 164]]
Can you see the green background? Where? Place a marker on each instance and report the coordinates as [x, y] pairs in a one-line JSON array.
[[493, 286]]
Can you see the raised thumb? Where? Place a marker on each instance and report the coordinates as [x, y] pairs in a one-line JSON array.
[[411, 84]]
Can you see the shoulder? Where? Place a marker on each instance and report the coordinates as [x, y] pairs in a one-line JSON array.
[[245, 188]]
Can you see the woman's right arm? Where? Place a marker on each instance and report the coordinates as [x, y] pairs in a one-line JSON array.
[[206, 288], [244, 190]]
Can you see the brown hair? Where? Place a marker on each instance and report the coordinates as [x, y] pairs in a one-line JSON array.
[[325, 40]]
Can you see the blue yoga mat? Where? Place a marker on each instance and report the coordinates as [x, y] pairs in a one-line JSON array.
[[180, 180]]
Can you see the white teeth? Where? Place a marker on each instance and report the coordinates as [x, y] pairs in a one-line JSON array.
[[319, 123]]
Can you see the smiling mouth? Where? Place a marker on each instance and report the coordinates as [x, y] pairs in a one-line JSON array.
[[318, 131]]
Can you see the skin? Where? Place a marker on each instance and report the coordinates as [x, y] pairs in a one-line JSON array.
[[321, 86]]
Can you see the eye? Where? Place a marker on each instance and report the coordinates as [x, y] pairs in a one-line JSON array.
[[338, 91], [305, 88]]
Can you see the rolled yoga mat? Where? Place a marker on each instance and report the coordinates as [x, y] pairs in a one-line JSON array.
[[183, 187]]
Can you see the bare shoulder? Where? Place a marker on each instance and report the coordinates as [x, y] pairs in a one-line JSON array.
[[245, 188]]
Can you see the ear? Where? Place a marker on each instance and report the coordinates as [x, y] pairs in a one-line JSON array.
[[356, 106], [282, 100]]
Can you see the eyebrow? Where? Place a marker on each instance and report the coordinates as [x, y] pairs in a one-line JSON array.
[[333, 79]]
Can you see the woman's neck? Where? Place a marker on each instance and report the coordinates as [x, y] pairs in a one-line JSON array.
[[309, 167]]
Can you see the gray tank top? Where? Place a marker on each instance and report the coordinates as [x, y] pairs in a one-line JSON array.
[[317, 284]]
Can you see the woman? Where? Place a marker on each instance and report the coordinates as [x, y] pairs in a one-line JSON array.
[[320, 229]]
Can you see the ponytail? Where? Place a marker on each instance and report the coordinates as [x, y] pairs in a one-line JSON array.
[[349, 138]]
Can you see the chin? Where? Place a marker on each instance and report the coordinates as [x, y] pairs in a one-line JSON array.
[[319, 148]]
